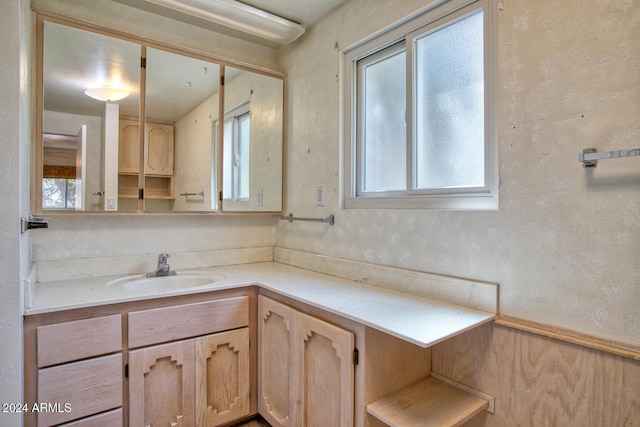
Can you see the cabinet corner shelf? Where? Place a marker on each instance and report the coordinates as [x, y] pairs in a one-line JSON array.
[[429, 402]]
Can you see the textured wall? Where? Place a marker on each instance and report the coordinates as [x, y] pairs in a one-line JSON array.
[[564, 245], [14, 167]]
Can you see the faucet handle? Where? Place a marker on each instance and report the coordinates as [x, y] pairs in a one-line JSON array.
[[162, 258]]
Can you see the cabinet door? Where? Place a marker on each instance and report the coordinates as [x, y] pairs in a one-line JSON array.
[[326, 374], [158, 150], [276, 376], [129, 147], [306, 371], [161, 385], [222, 377]]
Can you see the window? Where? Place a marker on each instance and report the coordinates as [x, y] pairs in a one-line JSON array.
[[236, 154], [58, 193], [420, 117]]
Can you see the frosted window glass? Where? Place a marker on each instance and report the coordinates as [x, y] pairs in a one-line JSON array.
[[384, 140], [449, 113]]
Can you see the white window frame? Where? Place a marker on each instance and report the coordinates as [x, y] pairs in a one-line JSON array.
[[233, 181], [433, 16]]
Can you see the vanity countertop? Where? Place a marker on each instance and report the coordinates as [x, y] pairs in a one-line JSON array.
[[415, 319]]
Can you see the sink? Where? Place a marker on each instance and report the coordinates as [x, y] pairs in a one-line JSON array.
[[183, 280]]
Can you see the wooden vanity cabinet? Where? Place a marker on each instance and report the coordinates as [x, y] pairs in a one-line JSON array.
[[79, 372], [185, 359], [202, 381], [306, 368]]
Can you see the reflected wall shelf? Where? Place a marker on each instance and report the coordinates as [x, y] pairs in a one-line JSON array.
[[430, 402]]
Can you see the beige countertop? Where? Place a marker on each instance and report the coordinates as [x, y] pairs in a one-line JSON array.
[[421, 321]]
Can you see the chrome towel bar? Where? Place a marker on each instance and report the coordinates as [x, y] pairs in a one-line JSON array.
[[193, 194], [331, 219], [589, 156]]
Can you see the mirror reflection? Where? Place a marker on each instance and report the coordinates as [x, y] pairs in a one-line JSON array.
[[75, 61], [180, 157], [94, 156], [252, 142]]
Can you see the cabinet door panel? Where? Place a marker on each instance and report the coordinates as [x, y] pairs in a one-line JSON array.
[[78, 339], [188, 320], [276, 377], [106, 419], [326, 383], [222, 375], [158, 150], [87, 387], [129, 147], [161, 385]]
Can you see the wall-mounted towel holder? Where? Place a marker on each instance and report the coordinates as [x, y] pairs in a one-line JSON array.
[[331, 219], [33, 223], [186, 195], [589, 156]]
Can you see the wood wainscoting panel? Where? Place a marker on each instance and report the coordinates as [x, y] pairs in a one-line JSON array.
[[541, 381]]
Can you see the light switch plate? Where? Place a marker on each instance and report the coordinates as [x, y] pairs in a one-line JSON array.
[[320, 198]]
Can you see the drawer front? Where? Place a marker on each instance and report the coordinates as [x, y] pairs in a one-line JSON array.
[[189, 320], [107, 419], [79, 339], [79, 389]]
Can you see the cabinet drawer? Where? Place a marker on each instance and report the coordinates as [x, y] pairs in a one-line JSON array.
[[80, 389], [107, 419], [79, 339], [189, 320]]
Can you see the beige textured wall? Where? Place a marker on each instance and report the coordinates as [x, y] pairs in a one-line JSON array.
[[193, 156], [565, 243], [14, 192]]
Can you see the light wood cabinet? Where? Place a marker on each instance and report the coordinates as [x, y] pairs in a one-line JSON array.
[[158, 160], [129, 147], [158, 149], [202, 381], [161, 385], [306, 370], [222, 369], [186, 359], [79, 389], [80, 371]]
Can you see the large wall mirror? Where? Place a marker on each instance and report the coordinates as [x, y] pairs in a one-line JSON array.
[[130, 127]]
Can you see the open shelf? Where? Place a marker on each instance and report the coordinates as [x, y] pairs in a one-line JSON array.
[[156, 187], [429, 402]]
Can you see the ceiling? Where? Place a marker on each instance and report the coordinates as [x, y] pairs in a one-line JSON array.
[[76, 60], [303, 12]]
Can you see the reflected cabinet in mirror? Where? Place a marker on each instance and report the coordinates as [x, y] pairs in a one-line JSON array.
[[126, 126]]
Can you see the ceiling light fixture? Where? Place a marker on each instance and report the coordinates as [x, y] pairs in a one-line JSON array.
[[238, 16], [107, 94]]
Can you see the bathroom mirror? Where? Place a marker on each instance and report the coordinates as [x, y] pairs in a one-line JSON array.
[[73, 61], [160, 148], [252, 142], [181, 100]]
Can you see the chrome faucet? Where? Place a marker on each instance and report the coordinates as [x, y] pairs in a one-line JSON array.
[[163, 268]]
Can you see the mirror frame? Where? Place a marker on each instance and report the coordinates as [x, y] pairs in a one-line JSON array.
[[38, 116]]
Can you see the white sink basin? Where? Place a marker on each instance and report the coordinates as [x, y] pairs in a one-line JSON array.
[[183, 280]]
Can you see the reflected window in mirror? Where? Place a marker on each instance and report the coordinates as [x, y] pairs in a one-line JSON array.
[[236, 149], [58, 171], [253, 142]]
